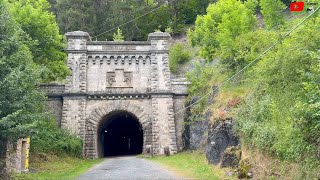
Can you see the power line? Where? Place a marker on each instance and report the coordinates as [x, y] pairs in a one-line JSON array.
[[133, 19], [118, 18], [248, 65], [136, 18]]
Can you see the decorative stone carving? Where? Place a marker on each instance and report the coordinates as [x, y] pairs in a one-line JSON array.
[[127, 77], [111, 78], [119, 79], [71, 44]]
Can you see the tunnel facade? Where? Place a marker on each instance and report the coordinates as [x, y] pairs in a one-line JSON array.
[[120, 133], [120, 97]]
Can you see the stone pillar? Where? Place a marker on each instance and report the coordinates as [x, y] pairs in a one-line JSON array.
[[163, 127], [17, 156], [179, 88], [179, 103], [74, 108], [77, 62]]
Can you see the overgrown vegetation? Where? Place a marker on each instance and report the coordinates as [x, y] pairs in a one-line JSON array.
[[275, 103], [118, 37], [21, 104], [51, 167], [266, 166], [48, 138], [285, 85], [191, 165], [42, 37], [177, 57], [99, 16], [30, 53], [216, 31]]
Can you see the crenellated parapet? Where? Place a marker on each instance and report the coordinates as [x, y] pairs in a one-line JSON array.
[[131, 77]]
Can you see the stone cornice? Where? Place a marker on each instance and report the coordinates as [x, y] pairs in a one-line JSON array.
[[117, 52], [158, 36], [111, 96], [78, 34], [118, 43], [76, 51], [159, 51]]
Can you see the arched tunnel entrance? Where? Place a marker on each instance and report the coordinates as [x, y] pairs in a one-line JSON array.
[[120, 133]]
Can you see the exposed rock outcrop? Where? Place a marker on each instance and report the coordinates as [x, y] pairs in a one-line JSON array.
[[196, 129], [220, 136], [196, 132]]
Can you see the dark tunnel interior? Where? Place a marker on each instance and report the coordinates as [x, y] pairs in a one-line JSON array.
[[121, 134]]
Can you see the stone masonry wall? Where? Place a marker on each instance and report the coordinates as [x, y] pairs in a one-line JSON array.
[[54, 103], [179, 103], [54, 106], [121, 76]]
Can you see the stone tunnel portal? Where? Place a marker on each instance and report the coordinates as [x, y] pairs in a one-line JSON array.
[[120, 133], [113, 89]]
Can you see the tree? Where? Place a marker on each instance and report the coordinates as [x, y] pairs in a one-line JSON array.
[[21, 104], [272, 13], [45, 43], [99, 16], [216, 31], [177, 56], [186, 11], [249, 45], [74, 15], [281, 117]]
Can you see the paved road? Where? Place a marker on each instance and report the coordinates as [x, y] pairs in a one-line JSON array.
[[128, 168]]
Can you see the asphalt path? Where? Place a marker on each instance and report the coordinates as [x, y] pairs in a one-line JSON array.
[[128, 168]]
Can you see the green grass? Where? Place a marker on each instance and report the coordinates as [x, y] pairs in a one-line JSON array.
[[191, 165], [57, 168]]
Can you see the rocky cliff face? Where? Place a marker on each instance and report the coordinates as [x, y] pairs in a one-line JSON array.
[[220, 137], [214, 138], [196, 134]]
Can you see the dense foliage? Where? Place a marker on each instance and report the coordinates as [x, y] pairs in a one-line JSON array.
[[273, 13], [287, 86], [21, 104], [22, 47], [177, 57], [216, 31], [280, 108], [99, 16], [45, 42], [275, 102], [48, 138]]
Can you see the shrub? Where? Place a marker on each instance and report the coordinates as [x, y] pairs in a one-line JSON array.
[[118, 37], [261, 124], [48, 138], [177, 56], [282, 115]]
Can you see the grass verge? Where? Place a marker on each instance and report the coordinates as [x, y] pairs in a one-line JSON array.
[[192, 165], [56, 168]]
